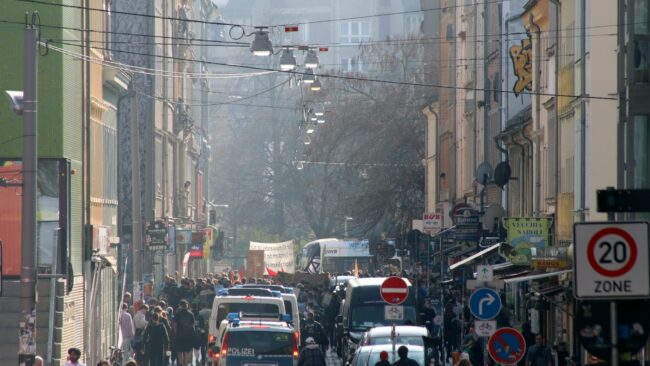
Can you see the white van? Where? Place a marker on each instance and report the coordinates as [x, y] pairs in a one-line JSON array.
[[224, 305]]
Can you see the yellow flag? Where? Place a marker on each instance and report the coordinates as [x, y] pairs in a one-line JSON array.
[[356, 268]]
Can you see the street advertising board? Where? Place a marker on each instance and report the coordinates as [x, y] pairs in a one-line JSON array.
[[524, 234], [611, 260], [277, 256], [432, 221], [394, 290], [594, 327], [196, 247], [156, 235], [183, 236], [485, 328], [507, 346], [485, 303]]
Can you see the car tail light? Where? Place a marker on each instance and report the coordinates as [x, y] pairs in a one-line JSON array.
[[296, 339], [212, 350], [224, 346]]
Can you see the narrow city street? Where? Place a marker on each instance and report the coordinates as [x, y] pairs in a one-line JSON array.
[[251, 182]]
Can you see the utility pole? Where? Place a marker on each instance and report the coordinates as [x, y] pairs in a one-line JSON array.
[[27, 323]]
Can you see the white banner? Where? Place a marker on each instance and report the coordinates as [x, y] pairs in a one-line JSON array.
[[277, 256]]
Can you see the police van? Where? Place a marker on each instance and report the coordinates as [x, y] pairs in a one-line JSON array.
[[256, 340], [290, 300], [235, 301]]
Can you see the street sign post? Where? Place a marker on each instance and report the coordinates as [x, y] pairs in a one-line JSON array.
[[484, 273], [611, 260], [395, 312], [485, 328], [394, 290], [485, 303], [507, 346]]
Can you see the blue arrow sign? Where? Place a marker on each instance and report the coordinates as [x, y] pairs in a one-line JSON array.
[[485, 303]]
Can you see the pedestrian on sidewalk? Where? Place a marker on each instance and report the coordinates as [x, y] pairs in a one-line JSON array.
[[539, 354], [383, 359], [311, 354], [74, 354], [404, 360], [127, 328], [184, 334], [157, 341]]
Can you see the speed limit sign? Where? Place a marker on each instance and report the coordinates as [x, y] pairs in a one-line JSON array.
[[611, 260]]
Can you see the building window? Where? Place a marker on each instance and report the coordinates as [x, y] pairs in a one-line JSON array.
[[412, 24], [108, 40], [641, 50], [354, 32], [641, 25], [353, 64]]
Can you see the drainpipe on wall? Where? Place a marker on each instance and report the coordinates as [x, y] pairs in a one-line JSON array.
[[437, 160], [522, 175], [530, 157], [583, 112], [537, 76]]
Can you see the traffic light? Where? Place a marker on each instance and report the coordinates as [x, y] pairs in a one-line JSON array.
[[218, 247]]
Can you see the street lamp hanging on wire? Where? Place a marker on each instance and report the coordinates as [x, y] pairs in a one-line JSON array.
[[308, 76], [315, 86], [287, 60], [311, 60], [261, 45]]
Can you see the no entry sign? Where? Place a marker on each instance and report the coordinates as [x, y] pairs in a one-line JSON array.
[[394, 290], [611, 260], [507, 346]]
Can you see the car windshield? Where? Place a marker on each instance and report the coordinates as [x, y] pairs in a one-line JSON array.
[[246, 307], [258, 343], [418, 356], [369, 316], [407, 340]]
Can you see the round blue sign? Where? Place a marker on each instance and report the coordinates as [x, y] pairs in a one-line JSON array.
[[485, 303]]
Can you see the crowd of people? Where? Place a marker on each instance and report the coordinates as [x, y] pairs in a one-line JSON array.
[[171, 328]]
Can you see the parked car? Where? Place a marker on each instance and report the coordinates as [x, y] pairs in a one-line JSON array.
[[405, 334], [369, 355]]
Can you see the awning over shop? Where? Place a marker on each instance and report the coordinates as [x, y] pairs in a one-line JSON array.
[[472, 258], [536, 276]]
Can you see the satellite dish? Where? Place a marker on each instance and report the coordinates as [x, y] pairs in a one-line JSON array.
[[502, 174], [493, 212], [483, 173]]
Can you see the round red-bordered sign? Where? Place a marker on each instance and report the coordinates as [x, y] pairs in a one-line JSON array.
[[394, 290], [507, 346], [612, 272]]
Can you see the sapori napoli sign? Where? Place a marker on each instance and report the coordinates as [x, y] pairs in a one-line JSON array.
[[611, 260]]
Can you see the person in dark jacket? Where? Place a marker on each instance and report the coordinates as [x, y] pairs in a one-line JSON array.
[[314, 329], [184, 333], [156, 340], [311, 354], [404, 360], [383, 359]]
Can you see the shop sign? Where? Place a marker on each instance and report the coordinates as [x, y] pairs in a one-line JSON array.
[[524, 236], [157, 235], [551, 257]]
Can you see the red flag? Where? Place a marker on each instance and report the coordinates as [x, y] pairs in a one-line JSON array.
[[271, 272], [232, 276], [241, 272]]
